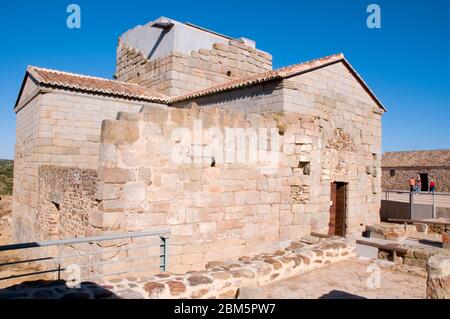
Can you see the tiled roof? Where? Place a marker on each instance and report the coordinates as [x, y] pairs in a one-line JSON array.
[[67, 80], [261, 77], [433, 158], [280, 73]]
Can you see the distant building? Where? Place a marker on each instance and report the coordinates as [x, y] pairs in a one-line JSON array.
[[399, 167]]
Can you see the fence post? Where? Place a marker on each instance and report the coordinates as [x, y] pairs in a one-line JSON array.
[[164, 250], [59, 261], [411, 204], [434, 208]]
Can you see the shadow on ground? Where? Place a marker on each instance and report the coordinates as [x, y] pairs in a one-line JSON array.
[[55, 289], [339, 294]]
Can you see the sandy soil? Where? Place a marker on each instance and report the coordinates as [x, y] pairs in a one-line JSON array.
[[7, 256]]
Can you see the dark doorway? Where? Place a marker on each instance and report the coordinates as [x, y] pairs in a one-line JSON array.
[[424, 182], [336, 226]]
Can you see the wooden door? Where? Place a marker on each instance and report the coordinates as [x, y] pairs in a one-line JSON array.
[[336, 225]]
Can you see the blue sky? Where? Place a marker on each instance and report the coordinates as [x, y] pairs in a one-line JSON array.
[[406, 62]]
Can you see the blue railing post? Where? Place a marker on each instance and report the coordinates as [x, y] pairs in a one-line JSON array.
[[164, 250]]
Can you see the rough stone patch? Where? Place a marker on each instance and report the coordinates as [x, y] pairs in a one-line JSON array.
[[438, 281]]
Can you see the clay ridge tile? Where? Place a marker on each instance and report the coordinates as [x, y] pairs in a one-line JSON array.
[[93, 84]]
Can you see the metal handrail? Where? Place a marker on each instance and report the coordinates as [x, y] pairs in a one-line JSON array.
[[163, 235], [83, 240], [407, 192]]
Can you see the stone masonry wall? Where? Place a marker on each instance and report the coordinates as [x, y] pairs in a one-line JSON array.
[[66, 196], [346, 122], [59, 128], [214, 209], [177, 73], [342, 124], [400, 180], [25, 186], [217, 210]]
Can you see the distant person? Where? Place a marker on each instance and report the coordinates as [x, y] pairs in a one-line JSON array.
[[418, 185], [432, 186], [412, 184]]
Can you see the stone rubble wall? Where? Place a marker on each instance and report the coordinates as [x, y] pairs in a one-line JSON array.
[[66, 195], [223, 279], [400, 180], [178, 73]]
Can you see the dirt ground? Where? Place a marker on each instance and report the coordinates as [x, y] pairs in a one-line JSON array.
[[358, 278], [7, 256]]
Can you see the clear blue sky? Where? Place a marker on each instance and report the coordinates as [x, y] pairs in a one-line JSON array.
[[406, 62]]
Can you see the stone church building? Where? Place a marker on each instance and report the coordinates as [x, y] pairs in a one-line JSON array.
[[96, 155]]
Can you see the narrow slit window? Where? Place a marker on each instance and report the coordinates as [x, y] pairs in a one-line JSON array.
[[306, 167]]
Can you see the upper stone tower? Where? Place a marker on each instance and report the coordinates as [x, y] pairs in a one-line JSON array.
[[175, 58]]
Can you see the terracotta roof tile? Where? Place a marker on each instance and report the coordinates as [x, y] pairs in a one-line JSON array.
[[130, 90], [67, 80], [262, 77], [280, 73], [432, 158]]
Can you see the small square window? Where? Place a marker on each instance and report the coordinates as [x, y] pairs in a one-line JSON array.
[[392, 172], [306, 167]]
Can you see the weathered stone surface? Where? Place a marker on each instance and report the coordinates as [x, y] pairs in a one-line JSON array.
[[242, 273], [275, 263], [229, 294], [176, 287], [120, 132], [199, 280], [130, 294], [306, 260], [153, 288], [438, 281], [199, 293], [214, 264]]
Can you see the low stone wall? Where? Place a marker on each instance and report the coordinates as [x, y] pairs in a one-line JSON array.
[[223, 279], [219, 280], [390, 231], [416, 257]]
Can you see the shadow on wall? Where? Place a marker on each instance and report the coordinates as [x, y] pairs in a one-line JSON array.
[[339, 294], [55, 289]]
